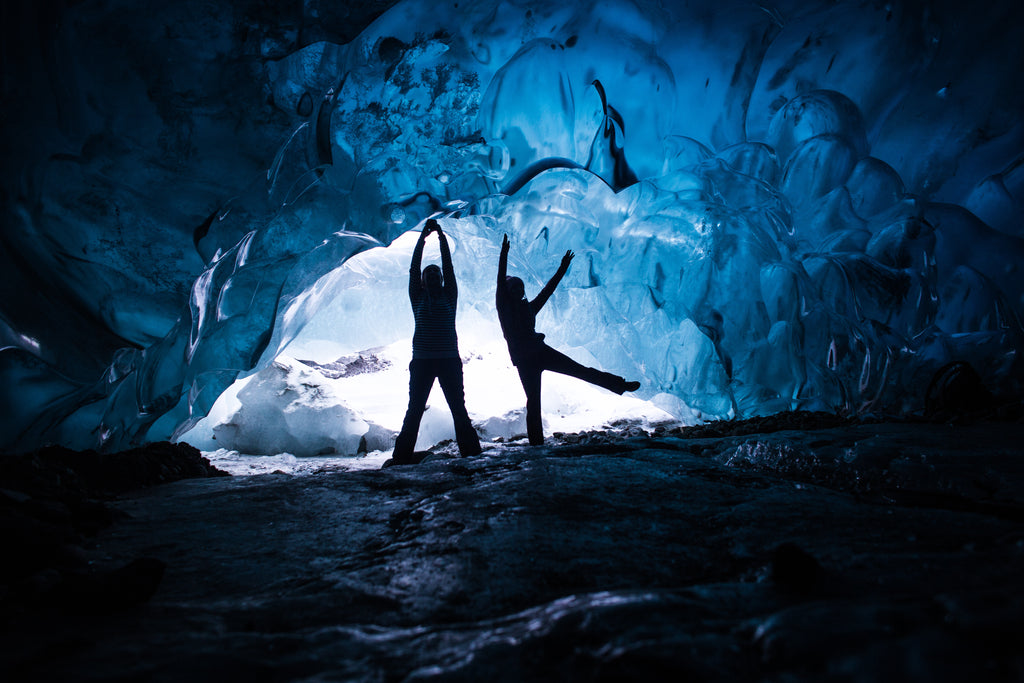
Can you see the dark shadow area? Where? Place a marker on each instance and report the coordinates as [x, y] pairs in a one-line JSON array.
[[800, 547]]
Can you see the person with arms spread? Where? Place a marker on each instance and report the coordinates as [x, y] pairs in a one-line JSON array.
[[435, 351], [526, 346]]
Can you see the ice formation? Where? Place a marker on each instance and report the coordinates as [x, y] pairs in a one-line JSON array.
[[767, 204], [284, 409]]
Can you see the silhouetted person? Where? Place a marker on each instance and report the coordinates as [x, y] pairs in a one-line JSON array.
[[435, 350], [526, 346]]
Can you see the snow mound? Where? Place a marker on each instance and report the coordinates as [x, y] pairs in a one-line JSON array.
[[289, 407]]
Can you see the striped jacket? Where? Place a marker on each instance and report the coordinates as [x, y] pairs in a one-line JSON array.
[[435, 315]]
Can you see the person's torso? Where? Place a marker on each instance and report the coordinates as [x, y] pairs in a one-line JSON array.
[[518, 322], [435, 335]]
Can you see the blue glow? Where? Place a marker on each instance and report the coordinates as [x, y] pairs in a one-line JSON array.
[[763, 221]]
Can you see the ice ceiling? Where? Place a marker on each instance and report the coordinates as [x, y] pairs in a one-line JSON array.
[[773, 206]]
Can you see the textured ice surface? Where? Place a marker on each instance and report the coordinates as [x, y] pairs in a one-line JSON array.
[[766, 210], [285, 409]]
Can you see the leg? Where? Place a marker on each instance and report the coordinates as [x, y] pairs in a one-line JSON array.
[[561, 363], [449, 374], [421, 379], [529, 375]]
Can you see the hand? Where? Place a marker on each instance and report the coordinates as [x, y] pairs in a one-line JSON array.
[[567, 259], [505, 244]]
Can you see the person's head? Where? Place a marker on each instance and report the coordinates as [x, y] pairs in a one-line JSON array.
[[432, 279], [515, 287]]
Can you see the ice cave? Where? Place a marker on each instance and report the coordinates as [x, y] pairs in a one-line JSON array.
[[209, 210], [770, 213]]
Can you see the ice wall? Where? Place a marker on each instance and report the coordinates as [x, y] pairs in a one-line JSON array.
[[767, 203]]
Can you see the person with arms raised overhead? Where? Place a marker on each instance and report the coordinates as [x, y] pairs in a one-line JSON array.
[[435, 350], [526, 347]]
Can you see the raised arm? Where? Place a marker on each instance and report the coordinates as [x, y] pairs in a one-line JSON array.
[[451, 289], [500, 292], [549, 288], [415, 278]]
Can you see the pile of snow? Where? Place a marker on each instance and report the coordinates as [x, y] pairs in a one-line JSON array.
[[289, 407]]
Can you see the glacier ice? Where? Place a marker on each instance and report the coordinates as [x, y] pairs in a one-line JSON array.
[[768, 213], [283, 409]]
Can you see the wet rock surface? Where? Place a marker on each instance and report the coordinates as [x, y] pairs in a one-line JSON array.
[[848, 552], [54, 502]]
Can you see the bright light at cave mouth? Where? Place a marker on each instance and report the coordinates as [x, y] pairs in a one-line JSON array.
[[341, 386]]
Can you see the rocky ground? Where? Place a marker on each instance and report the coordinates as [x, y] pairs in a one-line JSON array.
[[801, 547]]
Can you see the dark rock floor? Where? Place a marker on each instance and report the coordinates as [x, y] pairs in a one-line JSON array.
[[838, 551]]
